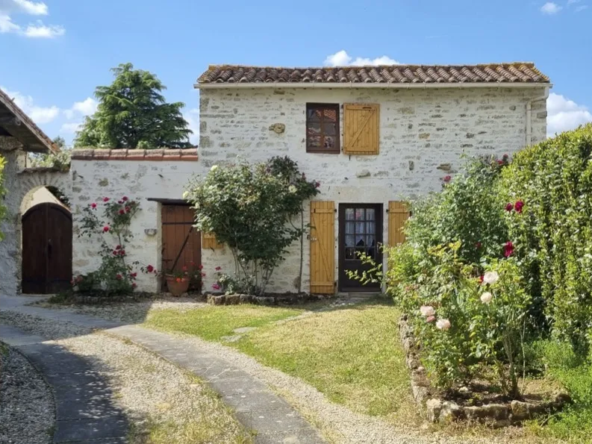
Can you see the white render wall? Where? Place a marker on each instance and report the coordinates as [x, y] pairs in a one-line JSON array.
[[423, 133], [141, 180]]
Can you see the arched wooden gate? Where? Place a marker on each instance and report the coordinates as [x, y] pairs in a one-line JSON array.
[[47, 249]]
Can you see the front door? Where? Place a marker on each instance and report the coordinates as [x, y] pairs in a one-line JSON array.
[[47, 249], [360, 232]]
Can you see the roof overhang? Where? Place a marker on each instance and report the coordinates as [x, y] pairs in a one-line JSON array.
[[15, 123], [356, 85]]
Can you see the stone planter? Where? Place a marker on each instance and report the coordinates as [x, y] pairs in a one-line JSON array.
[[177, 286], [438, 409]]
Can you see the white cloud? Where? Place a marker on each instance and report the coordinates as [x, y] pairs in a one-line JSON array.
[[581, 8], [28, 7], [84, 108], [565, 114], [192, 116], [70, 128], [38, 114], [42, 31], [342, 58], [550, 8]]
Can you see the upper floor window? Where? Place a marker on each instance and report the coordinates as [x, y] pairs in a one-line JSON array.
[[322, 128]]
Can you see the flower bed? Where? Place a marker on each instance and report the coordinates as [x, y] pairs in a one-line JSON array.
[[473, 401]]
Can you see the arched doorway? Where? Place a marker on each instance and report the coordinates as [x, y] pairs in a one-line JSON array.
[[47, 249]]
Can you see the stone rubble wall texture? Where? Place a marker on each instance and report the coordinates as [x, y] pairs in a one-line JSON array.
[[423, 133], [20, 187], [93, 180]]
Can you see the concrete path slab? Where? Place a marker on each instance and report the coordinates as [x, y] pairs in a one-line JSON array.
[[84, 408], [256, 405]]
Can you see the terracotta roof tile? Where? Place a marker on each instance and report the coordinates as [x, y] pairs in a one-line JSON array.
[[188, 154], [518, 72]]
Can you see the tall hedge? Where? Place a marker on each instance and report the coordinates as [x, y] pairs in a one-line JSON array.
[[553, 236]]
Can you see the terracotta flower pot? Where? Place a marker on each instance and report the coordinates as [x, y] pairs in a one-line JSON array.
[[177, 286]]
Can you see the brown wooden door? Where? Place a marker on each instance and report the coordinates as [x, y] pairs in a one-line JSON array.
[[360, 231], [181, 242], [47, 249]]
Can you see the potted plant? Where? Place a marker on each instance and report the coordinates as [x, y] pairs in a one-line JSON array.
[[178, 280]]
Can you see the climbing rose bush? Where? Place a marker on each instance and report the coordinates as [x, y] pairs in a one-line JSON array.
[[107, 223]]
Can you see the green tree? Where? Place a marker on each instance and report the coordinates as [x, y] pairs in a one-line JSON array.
[[132, 113]]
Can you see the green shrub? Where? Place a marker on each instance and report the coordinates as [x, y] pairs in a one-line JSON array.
[[553, 234]]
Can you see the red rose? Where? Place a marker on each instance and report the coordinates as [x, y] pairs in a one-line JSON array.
[[505, 157], [134, 285], [127, 209], [184, 268], [149, 268], [93, 205], [105, 229], [216, 287], [201, 267], [447, 179], [509, 207], [317, 184], [122, 253], [508, 249], [105, 199], [178, 279], [203, 275], [115, 253], [478, 245], [500, 162], [121, 212], [519, 205], [481, 279], [124, 198], [119, 277], [218, 268], [133, 275], [120, 202], [118, 247]]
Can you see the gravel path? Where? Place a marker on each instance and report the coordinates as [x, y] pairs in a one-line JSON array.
[[26, 404], [158, 398]]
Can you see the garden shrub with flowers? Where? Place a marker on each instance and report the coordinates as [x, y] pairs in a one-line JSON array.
[[109, 221], [252, 210], [496, 273]]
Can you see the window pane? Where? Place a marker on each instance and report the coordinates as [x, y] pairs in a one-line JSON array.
[[360, 241], [360, 251], [330, 115], [313, 115], [329, 142], [369, 213], [360, 228], [350, 253], [349, 228], [349, 240], [329, 129], [314, 141], [370, 227], [349, 214], [359, 213]]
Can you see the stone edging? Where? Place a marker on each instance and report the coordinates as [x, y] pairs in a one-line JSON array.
[[439, 410], [234, 299]]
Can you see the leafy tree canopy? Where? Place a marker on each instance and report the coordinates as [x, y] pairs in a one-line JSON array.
[[132, 113]]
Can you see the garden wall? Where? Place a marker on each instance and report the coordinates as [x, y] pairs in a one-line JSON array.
[[423, 133], [137, 174]]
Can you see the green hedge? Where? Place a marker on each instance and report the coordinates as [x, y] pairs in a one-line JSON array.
[[553, 236]]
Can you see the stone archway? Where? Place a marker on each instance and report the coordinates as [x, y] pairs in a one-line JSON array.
[[21, 182]]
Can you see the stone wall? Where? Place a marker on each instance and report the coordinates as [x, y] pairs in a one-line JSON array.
[[21, 184], [137, 174], [423, 133]]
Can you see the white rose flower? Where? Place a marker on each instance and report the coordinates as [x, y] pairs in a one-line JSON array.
[[214, 168], [185, 194], [491, 277], [486, 297], [443, 324], [427, 310], [292, 189]]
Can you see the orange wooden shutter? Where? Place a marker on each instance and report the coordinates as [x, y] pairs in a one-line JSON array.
[[398, 213], [322, 247], [209, 241], [361, 133]]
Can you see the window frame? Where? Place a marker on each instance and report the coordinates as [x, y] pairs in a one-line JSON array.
[[333, 106]]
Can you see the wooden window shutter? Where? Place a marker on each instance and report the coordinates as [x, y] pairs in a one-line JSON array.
[[398, 213], [361, 133], [209, 241], [322, 247]]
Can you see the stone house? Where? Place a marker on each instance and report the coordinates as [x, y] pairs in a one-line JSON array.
[[372, 136]]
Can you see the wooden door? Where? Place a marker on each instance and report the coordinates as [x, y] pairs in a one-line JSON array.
[[181, 242], [398, 213], [360, 232], [322, 247], [47, 249]]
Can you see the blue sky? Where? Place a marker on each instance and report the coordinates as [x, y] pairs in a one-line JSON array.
[[54, 53]]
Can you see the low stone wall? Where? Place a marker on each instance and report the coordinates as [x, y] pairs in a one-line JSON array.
[[234, 299], [441, 410]]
